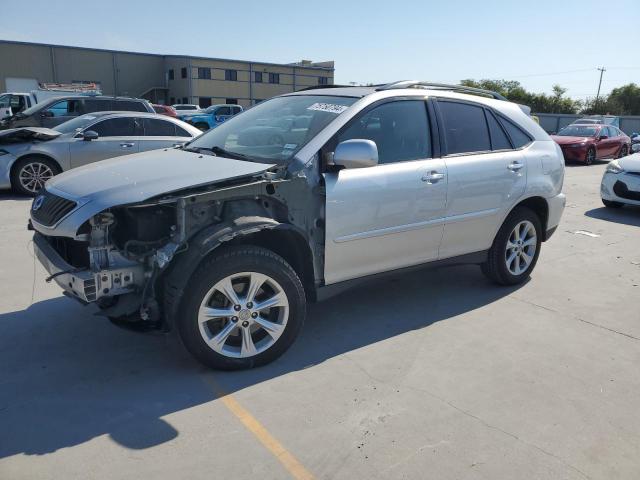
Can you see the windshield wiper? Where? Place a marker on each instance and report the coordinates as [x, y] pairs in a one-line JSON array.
[[221, 152]]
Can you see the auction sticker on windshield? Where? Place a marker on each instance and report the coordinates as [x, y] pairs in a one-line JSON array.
[[328, 107]]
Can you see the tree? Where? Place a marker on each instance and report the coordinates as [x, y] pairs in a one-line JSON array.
[[539, 102]]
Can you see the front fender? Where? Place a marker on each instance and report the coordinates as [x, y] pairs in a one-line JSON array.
[[200, 246]]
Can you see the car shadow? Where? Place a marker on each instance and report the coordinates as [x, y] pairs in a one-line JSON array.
[[627, 215], [68, 377]]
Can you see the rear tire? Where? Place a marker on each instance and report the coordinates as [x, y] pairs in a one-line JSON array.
[[220, 320], [29, 174], [611, 204], [515, 250]]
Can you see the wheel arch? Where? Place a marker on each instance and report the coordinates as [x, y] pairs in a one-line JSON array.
[[539, 206], [284, 239], [19, 159]]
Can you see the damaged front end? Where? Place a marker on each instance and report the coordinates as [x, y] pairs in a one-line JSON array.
[[134, 260]]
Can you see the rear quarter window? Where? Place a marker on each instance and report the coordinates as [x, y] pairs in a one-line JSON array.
[[129, 106], [518, 137]]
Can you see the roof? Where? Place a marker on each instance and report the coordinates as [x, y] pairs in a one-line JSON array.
[[162, 55]]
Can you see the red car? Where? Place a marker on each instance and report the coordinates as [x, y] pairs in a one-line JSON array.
[[165, 110], [588, 142]]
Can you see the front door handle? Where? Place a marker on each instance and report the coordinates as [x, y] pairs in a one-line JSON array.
[[515, 166], [127, 145], [432, 177]]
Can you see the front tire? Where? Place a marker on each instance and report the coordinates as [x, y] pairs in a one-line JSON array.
[[29, 174], [515, 250], [243, 307], [590, 156]]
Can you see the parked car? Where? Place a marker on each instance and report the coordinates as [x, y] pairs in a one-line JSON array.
[[599, 120], [12, 103], [587, 143], [211, 116], [30, 156], [58, 110], [635, 142], [226, 238], [621, 182], [186, 107], [165, 110]]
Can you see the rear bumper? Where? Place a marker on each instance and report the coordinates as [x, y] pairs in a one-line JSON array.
[[84, 284], [556, 207]]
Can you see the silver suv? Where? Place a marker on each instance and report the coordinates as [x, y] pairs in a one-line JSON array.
[[226, 238]]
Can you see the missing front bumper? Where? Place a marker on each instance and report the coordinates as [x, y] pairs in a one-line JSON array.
[[84, 284]]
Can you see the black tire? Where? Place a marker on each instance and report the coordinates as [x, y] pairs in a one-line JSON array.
[[21, 165], [590, 157], [496, 268], [611, 204], [228, 261], [624, 150]]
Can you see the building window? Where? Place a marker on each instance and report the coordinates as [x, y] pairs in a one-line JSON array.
[[185, 100], [231, 101], [258, 77], [204, 102], [274, 78], [171, 74], [183, 72], [231, 75], [172, 101], [204, 73], [323, 81]]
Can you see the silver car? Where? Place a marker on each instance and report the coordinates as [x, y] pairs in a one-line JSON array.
[[29, 156], [227, 238]]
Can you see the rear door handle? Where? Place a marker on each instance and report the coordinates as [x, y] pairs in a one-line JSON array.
[[127, 145], [432, 177], [515, 166]]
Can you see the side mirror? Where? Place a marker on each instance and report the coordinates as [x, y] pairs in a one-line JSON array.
[[89, 135], [603, 137], [47, 114], [356, 153]]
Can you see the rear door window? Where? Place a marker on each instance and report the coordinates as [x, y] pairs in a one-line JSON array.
[[115, 127], [91, 106], [223, 111], [158, 128], [465, 127], [129, 106]]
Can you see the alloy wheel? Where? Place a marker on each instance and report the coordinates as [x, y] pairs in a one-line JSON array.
[[243, 314], [34, 175], [521, 247]]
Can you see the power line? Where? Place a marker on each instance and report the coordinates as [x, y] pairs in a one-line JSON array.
[[602, 70]]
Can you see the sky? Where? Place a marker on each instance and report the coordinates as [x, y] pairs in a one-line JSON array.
[[538, 43]]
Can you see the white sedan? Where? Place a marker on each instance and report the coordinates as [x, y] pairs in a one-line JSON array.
[[621, 182]]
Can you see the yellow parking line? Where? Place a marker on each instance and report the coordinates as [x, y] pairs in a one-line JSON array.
[[293, 466]]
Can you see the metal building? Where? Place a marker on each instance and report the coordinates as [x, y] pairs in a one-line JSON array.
[[163, 79]]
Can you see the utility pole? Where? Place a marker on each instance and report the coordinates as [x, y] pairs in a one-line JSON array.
[[602, 70]]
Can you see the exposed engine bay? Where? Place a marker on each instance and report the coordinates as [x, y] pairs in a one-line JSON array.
[[133, 260]]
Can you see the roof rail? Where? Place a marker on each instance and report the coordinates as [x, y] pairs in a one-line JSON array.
[[317, 87], [441, 86]]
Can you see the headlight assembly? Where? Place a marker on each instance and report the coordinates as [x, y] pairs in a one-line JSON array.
[[614, 167]]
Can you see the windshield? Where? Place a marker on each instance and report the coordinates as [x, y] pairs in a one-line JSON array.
[[588, 120], [578, 131], [5, 100], [275, 130], [75, 125]]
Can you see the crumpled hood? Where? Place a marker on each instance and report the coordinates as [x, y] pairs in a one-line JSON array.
[[138, 177], [25, 134], [630, 163], [562, 140]]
